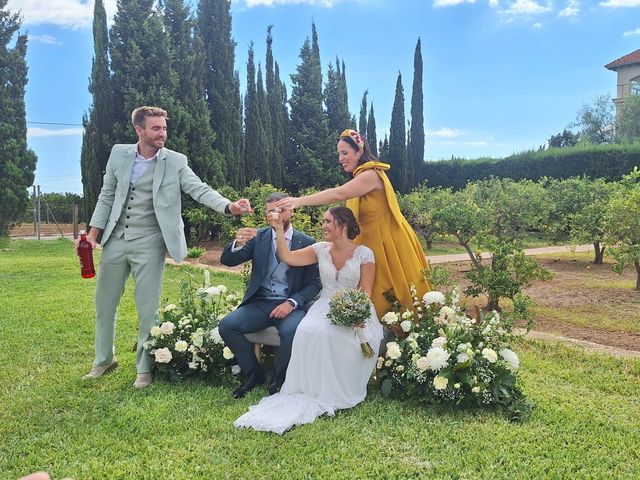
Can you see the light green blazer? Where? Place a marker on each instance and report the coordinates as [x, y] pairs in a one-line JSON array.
[[171, 177]]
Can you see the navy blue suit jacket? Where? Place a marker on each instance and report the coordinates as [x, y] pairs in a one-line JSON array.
[[304, 282]]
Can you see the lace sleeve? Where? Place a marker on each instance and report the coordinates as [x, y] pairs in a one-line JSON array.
[[320, 247], [366, 255]]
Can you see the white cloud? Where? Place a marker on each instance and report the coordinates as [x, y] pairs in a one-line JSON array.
[[444, 132], [270, 3], [33, 132], [527, 7], [48, 39], [64, 13], [450, 3], [620, 3], [536, 25], [631, 33], [493, 3], [571, 10]]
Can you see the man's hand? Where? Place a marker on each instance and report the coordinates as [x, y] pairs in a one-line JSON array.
[[240, 206], [92, 238], [243, 235], [282, 310]]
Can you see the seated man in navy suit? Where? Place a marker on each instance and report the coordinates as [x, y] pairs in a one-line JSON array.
[[277, 295]]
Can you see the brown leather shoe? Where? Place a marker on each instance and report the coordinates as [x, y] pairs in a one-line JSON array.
[[99, 370], [143, 380]]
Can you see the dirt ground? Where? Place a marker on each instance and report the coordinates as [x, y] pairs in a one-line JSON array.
[[576, 283]]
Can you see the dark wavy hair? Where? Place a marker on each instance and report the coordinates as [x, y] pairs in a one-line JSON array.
[[344, 217], [367, 156]]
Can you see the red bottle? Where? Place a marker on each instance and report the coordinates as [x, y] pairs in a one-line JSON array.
[[85, 252]]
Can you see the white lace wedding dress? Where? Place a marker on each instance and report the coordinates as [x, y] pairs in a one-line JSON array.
[[327, 370]]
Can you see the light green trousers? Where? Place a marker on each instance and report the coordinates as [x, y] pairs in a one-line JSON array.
[[143, 258]]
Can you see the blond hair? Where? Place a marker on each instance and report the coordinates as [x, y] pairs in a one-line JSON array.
[[140, 114]]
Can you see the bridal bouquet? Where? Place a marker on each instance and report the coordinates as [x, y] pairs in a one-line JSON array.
[[445, 355], [352, 308], [186, 341]]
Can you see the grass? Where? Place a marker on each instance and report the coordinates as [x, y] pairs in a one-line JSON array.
[[584, 425]]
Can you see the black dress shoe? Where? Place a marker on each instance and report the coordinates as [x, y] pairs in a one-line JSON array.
[[275, 385], [255, 378]]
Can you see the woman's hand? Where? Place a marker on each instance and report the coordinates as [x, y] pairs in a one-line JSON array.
[[289, 202]]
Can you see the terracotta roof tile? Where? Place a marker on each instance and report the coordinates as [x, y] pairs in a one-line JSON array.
[[630, 59]]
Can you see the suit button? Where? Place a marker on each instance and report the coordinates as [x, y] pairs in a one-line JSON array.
[[131, 198], [126, 226], [128, 208], [133, 189], [128, 217]]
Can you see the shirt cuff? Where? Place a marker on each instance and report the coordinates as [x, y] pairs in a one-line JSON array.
[[293, 302], [235, 249]]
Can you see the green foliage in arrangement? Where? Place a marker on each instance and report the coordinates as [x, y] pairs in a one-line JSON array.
[[586, 405], [610, 161]]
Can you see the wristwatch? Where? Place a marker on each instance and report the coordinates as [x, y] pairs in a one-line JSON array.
[[292, 303], [227, 210]]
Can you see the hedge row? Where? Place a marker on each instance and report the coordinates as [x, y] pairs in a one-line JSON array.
[[610, 162]]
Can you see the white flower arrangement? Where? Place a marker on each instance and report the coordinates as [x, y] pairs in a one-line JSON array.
[[186, 340], [450, 356]]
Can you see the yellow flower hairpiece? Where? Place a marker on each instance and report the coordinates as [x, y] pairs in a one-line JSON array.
[[355, 136]]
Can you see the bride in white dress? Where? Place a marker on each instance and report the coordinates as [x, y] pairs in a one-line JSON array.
[[327, 371]]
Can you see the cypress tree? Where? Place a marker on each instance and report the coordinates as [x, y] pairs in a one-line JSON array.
[[98, 123], [141, 64], [371, 135], [312, 159], [397, 140], [191, 132], [416, 152], [274, 101], [222, 86], [17, 161], [383, 149], [362, 120], [253, 154], [265, 139]]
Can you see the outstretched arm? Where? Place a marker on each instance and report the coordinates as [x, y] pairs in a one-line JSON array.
[[356, 187], [297, 258]]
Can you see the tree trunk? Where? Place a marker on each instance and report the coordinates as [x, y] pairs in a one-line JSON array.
[[599, 253], [472, 256], [429, 244], [493, 303], [637, 264]]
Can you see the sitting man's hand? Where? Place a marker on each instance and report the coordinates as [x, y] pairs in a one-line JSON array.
[[243, 235], [282, 310]]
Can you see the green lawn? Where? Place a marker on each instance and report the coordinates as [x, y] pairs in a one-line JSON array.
[[584, 425]]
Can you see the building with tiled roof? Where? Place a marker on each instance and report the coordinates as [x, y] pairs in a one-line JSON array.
[[628, 70]]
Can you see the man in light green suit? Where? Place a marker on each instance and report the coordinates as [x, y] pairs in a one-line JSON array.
[[137, 219]]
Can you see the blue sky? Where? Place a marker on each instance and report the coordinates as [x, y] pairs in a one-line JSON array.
[[500, 76]]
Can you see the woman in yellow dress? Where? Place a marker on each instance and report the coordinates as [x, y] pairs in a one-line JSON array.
[[400, 260]]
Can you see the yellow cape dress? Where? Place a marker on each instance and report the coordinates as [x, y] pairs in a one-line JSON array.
[[400, 260]]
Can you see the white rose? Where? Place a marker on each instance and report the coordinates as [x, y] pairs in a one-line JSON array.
[[388, 363], [433, 297], [462, 358], [462, 347], [437, 358], [405, 326], [407, 315], [439, 342], [511, 358], [215, 336], [162, 355], [447, 314], [393, 350], [235, 369], [227, 353], [155, 331], [169, 307], [181, 346], [456, 385], [490, 354], [440, 382], [167, 328], [475, 389], [222, 288], [390, 318], [422, 364], [212, 291]]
